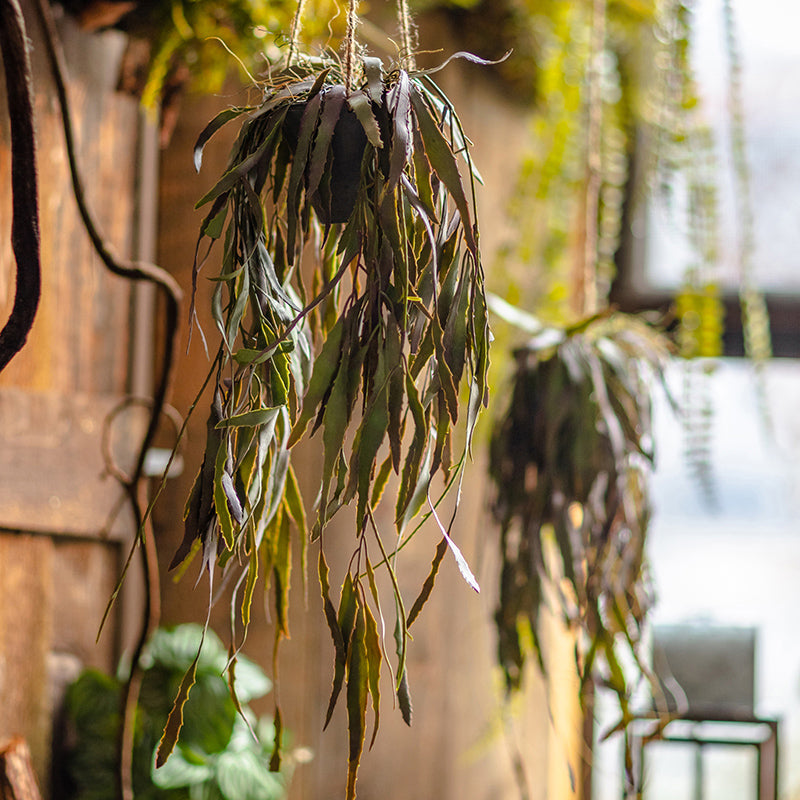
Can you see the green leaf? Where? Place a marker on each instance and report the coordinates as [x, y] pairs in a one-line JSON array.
[[325, 366], [244, 775], [361, 106], [374, 656], [251, 419], [240, 170], [334, 420], [400, 110], [443, 162], [178, 772], [212, 226], [357, 686], [249, 680], [283, 572], [404, 698], [308, 124], [332, 103], [348, 606], [175, 720], [218, 122], [427, 587], [221, 503]]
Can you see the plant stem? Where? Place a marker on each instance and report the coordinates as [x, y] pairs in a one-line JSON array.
[[407, 53]]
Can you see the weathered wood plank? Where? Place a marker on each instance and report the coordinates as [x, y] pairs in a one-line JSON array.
[[17, 779], [53, 477], [26, 600]]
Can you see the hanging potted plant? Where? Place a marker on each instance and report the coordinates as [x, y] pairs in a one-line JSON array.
[[351, 301], [570, 462]]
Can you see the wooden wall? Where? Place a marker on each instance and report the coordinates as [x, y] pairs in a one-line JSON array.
[[60, 548]]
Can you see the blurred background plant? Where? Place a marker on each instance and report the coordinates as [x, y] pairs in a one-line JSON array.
[[224, 747]]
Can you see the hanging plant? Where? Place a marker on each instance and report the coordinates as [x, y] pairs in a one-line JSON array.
[[570, 462], [350, 301]]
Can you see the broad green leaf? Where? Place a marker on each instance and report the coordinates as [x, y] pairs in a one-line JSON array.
[[179, 772], [243, 775]]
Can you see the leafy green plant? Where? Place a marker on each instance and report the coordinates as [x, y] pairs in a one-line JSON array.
[[350, 301], [570, 461], [223, 752]]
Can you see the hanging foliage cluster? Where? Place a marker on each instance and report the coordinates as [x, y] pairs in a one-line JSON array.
[[570, 462], [350, 302]]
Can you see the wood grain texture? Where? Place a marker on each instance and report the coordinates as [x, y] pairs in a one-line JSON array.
[[26, 600], [80, 339], [17, 778]]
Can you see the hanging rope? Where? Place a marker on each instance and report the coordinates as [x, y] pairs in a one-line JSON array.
[[350, 44], [294, 33], [407, 48]]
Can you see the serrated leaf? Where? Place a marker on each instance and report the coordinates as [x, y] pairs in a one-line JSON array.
[[239, 170], [332, 104], [461, 562], [221, 505], [357, 686], [345, 624], [172, 729], [325, 367], [374, 656], [404, 699], [218, 122], [283, 572], [308, 124], [400, 109], [443, 162], [361, 106], [427, 587], [251, 419]]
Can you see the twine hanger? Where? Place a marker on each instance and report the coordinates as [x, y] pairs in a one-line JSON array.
[[407, 61]]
